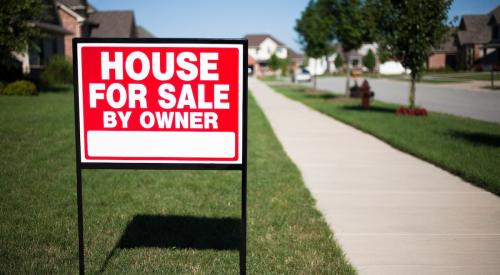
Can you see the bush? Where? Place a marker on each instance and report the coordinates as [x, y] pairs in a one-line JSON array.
[[369, 60], [58, 71], [339, 62], [20, 87], [2, 86]]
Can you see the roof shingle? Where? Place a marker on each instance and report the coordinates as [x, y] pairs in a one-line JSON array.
[[113, 24], [254, 40], [143, 33]]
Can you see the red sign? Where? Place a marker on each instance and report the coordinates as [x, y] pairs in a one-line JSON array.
[[160, 102]]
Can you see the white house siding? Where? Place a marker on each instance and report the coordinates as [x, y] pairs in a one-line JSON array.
[[266, 49]]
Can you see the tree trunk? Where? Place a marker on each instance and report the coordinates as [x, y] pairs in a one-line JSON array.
[[412, 92], [327, 65], [314, 82], [348, 80], [492, 78]]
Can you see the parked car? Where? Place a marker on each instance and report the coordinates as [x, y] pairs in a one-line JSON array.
[[302, 75]]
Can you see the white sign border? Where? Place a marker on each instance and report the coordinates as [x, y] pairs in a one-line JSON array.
[[240, 48]]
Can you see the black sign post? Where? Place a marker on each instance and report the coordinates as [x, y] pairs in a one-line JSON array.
[[81, 165]]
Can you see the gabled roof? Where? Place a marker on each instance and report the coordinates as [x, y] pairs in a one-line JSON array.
[[294, 55], [494, 14], [254, 40], [143, 33], [474, 29], [113, 24], [77, 6], [72, 3]]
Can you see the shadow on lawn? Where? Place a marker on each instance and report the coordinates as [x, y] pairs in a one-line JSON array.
[[376, 109], [181, 232], [321, 95], [478, 138]]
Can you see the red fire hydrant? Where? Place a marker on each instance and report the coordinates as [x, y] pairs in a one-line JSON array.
[[366, 95]]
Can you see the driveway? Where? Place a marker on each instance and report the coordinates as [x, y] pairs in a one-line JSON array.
[[475, 104]]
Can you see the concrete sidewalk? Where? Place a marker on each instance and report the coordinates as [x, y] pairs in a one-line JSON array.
[[391, 212]]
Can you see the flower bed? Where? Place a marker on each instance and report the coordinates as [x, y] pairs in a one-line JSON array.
[[405, 111]]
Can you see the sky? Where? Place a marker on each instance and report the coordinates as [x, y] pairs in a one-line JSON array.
[[235, 18]]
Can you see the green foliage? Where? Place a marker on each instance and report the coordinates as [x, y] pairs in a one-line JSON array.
[[314, 31], [16, 30], [58, 71], [409, 29], [2, 87], [339, 62], [351, 21], [274, 62], [284, 66], [369, 60], [20, 87]]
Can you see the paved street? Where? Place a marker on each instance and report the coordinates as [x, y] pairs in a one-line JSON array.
[[391, 212], [475, 104]]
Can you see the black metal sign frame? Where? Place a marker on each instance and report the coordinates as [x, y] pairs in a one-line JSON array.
[[163, 166]]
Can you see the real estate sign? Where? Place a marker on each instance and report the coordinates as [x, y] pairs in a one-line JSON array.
[[160, 101]]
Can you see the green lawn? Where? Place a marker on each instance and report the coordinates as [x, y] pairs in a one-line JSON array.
[[136, 222], [466, 147]]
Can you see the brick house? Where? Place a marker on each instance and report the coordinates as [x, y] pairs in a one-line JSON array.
[[472, 45], [260, 49], [67, 19], [446, 55], [84, 20]]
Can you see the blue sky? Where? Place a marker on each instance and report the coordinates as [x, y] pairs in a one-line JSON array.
[[235, 18]]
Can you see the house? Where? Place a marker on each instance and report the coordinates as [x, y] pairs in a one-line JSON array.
[[492, 48], [296, 59], [67, 19], [261, 47], [446, 55], [141, 32], [84, 20], [50, 43], [472, 45], [326, 64]]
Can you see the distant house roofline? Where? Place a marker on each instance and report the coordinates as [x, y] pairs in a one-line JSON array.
[[254, 40]]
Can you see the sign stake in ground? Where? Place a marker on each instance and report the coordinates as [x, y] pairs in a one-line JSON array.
[[160, 104]]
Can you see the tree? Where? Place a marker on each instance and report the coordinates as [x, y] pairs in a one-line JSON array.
[[314, 33], [339, 61], [351, 23], [369, 60], [274, 62], [284, 66], [409, 30], [16, 27]]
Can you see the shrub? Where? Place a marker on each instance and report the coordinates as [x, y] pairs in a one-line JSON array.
[[58, 71], [339, 62], [20, 87], [2, 86], [369, 60]]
